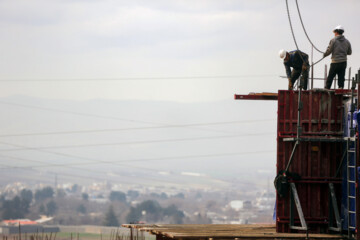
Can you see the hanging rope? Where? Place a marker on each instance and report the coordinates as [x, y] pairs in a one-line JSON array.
[[317, 62], [297, 5], [292, 31]]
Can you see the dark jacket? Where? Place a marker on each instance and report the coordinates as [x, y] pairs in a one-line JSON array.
[[296, 61], [339, 47]]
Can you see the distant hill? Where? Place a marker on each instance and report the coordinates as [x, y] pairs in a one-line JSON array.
[[225, 142]]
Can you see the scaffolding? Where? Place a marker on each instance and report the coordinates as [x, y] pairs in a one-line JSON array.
[[348, 223]]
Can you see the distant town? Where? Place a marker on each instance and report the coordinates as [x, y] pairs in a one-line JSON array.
[[107, 204]]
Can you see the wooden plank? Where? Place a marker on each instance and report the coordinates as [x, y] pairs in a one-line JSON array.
[[257, 96], [222, 231]]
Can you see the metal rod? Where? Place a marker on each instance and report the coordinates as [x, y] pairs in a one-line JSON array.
[[325, 75], [334, 205], [298, 207], [312, 69], [298, 131], [349, 78], [291, 156], [341, 163]]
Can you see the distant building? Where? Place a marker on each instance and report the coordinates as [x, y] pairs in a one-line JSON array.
[[25, 226]]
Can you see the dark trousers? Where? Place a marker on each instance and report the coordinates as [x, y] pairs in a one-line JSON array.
[[339, 69], [295, 74]]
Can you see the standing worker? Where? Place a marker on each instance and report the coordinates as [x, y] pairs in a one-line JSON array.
[[299, 61], [339, 47]]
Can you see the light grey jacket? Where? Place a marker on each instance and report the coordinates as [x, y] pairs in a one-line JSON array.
[[339, 47]]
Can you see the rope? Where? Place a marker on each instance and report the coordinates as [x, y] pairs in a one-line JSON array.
[[297, 5], [317, 62], [292, 31]]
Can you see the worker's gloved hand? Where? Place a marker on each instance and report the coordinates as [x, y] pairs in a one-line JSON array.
[[304, 67], [290, 84]]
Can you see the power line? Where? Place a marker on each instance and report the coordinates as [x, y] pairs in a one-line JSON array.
[[91, 176], [91, 159], [120, 162], [75, 113], [99, 116], [89, 170], [133, 78], [106, 179], [136, 142], [130, 129]]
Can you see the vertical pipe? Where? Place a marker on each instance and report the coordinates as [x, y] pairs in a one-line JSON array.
[[349, 78], [298, 132], [312, 68], [325, 75]]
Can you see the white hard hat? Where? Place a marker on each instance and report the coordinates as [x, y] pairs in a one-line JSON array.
[[339, 28], [282, 53]]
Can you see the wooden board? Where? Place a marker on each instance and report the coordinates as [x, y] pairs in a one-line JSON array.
[[222, 231]]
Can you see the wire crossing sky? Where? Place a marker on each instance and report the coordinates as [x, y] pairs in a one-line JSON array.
[[89, 84], [160, 50]]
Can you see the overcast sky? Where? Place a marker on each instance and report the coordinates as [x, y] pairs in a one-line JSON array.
[[102, 39]]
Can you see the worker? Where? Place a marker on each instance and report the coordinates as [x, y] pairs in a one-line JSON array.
[[339, 47], [299, 61]]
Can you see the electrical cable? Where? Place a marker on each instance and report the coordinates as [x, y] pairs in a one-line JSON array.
[[99, 116], [293, 35], [136, 142], [135, 78], [292, 31], [130, 129], [75, 113], [97, 171], [120, 162], [104, 173], [91, 159], [297, 5]]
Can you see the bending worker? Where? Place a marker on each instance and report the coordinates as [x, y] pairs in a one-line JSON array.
[[299, 61], [339, 47]]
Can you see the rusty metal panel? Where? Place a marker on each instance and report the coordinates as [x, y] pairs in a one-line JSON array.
[[322, 113], [315, 161], [257, 96]]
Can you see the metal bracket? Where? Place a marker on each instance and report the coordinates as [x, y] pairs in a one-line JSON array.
[[333, 206], [294, 197]]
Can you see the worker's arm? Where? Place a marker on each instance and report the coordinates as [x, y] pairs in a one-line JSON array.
[[330, 48], [288, 70], [349, 52]]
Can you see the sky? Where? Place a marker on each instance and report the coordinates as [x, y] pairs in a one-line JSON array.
[[104, 79], [187, 51]]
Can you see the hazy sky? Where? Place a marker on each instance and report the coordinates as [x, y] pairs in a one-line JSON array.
[[190, 55], [105, 39]]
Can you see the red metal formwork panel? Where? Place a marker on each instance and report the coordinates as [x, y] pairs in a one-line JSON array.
[[322, 113], [316, 162]]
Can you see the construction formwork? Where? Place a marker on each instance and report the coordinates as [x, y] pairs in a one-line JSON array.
[[315, 160]]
